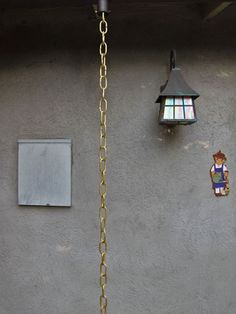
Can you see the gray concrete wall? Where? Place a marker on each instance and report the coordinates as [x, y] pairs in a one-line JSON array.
[[172, 243]]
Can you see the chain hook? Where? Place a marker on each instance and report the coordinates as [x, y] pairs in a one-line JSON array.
[[103, 7]]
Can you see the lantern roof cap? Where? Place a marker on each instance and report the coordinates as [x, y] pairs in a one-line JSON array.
[[176, 86]]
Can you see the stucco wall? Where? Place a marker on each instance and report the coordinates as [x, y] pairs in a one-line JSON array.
[[172, 243]]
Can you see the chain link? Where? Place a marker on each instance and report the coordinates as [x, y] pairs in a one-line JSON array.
[[102, 165]]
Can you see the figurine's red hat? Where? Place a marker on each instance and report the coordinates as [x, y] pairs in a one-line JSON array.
[[220, 155]]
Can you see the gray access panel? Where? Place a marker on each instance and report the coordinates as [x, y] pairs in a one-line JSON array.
[[44, 172]]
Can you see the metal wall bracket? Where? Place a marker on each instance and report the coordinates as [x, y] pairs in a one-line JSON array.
[[172, 59]]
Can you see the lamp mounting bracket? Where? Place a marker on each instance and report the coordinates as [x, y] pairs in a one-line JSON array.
[[172, 59]]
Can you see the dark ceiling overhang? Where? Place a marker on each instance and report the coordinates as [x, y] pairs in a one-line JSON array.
[[206, 9], [113, 3]]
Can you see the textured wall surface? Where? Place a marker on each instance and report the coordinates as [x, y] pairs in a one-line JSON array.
[[172, 243]]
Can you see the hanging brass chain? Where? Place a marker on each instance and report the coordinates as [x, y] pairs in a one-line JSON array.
[[102, 165]]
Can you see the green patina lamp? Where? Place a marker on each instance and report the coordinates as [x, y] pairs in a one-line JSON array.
[[176, 98]]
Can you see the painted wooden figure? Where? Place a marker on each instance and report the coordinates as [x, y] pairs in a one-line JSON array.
[[220, 175]]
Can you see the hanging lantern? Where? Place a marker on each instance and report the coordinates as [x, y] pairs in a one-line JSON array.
[[176, 98]]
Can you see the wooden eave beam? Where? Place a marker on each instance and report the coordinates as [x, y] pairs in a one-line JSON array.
[[212, 10]]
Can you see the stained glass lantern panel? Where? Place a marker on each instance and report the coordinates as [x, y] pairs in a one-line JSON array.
[[177, 110]]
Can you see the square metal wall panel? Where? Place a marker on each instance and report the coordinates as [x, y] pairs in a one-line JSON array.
[[44, 172]]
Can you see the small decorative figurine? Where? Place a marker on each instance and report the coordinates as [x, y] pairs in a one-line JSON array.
[[220, 175]]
